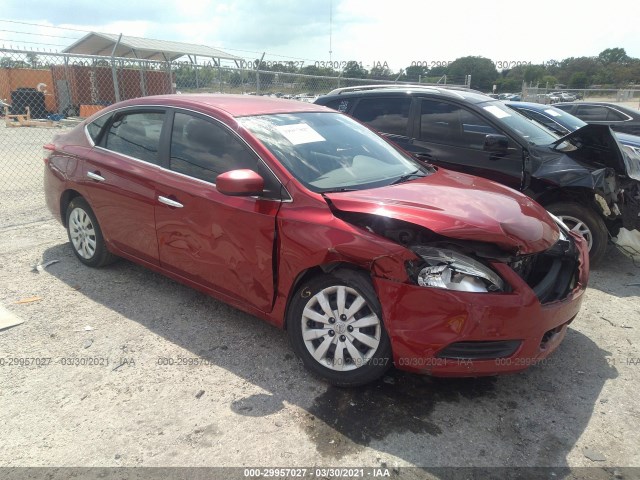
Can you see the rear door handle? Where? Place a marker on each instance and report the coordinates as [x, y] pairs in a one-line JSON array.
[[168, 201], [95, 176]]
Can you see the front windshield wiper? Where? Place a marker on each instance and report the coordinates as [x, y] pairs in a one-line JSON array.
[[339, 189], [409, 176]]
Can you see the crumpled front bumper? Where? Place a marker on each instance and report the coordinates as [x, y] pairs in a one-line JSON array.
[[425, 322]]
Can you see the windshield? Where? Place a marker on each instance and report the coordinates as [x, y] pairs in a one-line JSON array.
[[526, 128], [331, 152], [563, 118]]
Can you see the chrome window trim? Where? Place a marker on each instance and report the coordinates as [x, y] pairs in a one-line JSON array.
[[289, 198], [620, 112], [608, 107]]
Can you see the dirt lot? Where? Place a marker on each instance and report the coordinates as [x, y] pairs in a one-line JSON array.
[[166, 376]]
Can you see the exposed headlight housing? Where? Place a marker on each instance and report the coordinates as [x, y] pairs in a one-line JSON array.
[[450, 270], [632, 161]]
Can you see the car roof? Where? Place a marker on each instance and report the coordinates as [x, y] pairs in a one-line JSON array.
[[623, 108], [233, 105], [472, 96]]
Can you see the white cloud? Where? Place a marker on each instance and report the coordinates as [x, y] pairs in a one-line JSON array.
[[396, 32]]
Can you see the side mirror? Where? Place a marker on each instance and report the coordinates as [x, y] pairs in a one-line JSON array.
[[240, 183], [496, 144]]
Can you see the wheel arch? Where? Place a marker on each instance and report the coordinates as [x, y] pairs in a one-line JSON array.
[[571, 194], [65, 199], [315, 271]]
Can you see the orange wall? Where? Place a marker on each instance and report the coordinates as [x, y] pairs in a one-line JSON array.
[[14, 78]]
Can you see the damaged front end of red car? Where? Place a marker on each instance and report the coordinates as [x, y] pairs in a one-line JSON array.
[[482, 294]]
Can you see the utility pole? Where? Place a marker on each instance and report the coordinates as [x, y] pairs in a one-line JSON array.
[[330, 28]]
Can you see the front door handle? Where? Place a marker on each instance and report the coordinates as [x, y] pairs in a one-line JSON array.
[[95, 176], [168, 201]]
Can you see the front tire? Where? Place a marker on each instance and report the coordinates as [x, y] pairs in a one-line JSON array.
[[586, 222], [335, 327], [85, 235]]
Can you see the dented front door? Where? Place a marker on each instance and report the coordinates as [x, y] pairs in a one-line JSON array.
[[221, 242]]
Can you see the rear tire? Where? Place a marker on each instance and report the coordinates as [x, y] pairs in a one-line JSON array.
[[85, 235], [335, 327], [588, 223]]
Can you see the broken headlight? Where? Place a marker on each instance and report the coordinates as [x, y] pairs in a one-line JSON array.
[[632, 161], [448, 269]]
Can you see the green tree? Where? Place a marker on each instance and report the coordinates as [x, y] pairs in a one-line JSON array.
[[319, 71], [414, 73], [438, 71], [354, 69], [381, 73], [590, 66], [533, 73], [482, 70], [32, 60], [613, 55], [578, 80], [549, 81]]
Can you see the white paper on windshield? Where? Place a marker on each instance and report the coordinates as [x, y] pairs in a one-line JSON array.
[[496, 111], [299, 133], [552, 113]]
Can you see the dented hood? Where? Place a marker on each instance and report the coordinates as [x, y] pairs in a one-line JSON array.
[[596, 146], [459, 206]]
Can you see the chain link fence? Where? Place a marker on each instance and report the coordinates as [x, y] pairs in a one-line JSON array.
[[629, 96], [44, 94]]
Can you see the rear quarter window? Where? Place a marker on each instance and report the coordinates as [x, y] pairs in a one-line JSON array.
[[340, 104], [94, 129]]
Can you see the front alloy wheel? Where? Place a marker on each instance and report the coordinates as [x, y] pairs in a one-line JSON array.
[[578, 226], [586, 222], [335, 326]]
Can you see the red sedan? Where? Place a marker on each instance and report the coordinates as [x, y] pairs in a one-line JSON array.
[[306, 218]]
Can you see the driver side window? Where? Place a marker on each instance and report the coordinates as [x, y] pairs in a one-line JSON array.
[[200, 148]]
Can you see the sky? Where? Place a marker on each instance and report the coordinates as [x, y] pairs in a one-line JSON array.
[[375, 32]]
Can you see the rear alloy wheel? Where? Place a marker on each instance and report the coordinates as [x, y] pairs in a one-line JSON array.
[[586, 222], [85, 235], [336, 328]]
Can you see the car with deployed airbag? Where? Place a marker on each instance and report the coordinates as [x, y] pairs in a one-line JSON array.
[[585, 178], [625, 230], [304, 217]]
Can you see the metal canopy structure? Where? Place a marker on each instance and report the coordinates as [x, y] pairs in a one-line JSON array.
[[123, 46]]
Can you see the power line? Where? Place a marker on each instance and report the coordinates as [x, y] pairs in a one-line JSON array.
[[268, 53], [45, 26], [88, 31], [32, 43], [38, 34]]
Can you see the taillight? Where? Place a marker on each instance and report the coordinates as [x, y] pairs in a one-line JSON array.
[[50, 148]]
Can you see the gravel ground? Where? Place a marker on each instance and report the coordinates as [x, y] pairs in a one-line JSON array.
[[167, 376]]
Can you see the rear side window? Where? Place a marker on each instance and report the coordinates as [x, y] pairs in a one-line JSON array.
[[592, 112], [616, 116], [386, 115], [442, 122], [136, 135]]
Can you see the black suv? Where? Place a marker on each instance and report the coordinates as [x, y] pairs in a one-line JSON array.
[[584, 178]]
